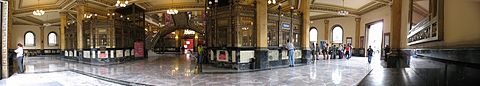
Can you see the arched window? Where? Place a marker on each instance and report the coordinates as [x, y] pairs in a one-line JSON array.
[[29, 39], [52, 39], [313, 34], [337, 34]]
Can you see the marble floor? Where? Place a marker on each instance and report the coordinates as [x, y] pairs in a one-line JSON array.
[[172, 69]]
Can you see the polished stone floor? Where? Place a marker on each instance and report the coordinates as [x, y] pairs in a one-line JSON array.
[[172, 69]]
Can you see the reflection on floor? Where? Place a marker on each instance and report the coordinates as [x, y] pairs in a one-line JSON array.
[[169, 69]]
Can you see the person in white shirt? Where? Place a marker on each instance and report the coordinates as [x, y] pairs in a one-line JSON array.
[[291, 50], [19, 58]]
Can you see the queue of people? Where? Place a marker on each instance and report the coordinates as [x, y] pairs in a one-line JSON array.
[[333, 52]]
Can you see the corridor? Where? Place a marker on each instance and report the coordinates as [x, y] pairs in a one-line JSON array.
[[172, 69]]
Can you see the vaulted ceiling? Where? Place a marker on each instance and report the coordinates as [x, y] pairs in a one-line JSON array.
[[319, 8]]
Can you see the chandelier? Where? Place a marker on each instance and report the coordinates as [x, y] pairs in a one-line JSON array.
[[271, 1], [122, 3], [344, 11], [38, 12], [172, 11]]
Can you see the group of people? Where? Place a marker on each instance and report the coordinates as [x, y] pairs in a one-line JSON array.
[[333, 52]]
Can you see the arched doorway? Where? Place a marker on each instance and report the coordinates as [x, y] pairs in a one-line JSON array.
[[313, 36]]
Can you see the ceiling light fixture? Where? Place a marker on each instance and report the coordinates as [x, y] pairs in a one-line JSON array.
[[172, 11], [344, 11], [38, 12], [271, 1], [122, 3]]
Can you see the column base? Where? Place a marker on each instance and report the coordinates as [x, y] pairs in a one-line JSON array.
[[396, 59], [261, 59], [307, 56]]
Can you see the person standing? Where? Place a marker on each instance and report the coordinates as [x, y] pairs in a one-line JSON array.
[[318, 51], [314, 51], [347, 51], [333, 51], [291, 50], [19, 58], [369, 54], [200, 53], [325, 51], [340, 51], [351, 51]]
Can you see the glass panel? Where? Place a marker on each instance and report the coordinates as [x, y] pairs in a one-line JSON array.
[[52, 39], [246, 31], [272, 34], [29, 39], [420, 11], [337, 35]]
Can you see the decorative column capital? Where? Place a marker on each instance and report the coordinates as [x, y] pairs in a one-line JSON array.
[[358, 19], [326, 21]]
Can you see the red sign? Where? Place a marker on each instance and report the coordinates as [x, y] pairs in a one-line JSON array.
[[139, 49], [103, 55], [222, 56]]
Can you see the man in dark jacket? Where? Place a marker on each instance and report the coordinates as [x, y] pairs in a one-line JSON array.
[[369, 54]]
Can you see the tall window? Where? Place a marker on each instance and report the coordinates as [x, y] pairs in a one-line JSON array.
[[337, 34], [29, 39], [52, 39], [313, 34]]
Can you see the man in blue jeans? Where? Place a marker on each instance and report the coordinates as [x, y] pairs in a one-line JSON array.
[[369, 54], [291, 50]]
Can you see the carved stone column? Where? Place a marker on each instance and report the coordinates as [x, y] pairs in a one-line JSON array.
[[306, 52], [80, 12], [357, 33], [327, 31], [63, 25], [261, 53], [395, 58], [42, 39]]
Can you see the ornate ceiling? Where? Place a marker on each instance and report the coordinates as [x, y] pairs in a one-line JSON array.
[[319, 8]]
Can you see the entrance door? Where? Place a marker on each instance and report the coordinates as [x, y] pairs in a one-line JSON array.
[[375, 32]]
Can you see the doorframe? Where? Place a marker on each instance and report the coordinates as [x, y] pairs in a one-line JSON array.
[[367, 27]]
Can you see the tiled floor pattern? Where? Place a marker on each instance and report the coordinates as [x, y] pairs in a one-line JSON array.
[[171, 69]]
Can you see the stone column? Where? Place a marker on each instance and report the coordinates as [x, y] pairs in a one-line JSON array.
[[261, 53], [42, 39], [327, 31], [80, 12], [306, 51], [357, 33], [395, 58], [7, 43], [63, 25], [195, 41]]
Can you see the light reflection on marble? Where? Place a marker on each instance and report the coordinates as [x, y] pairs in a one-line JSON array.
[[170, 69], [59, 78]]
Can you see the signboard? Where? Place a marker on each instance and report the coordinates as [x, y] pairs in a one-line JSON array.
[[139, 49], [285, 26]]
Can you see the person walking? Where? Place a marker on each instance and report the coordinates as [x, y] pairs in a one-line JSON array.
[[19, 58], [291, 50], [369, 54], [325, 51]]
